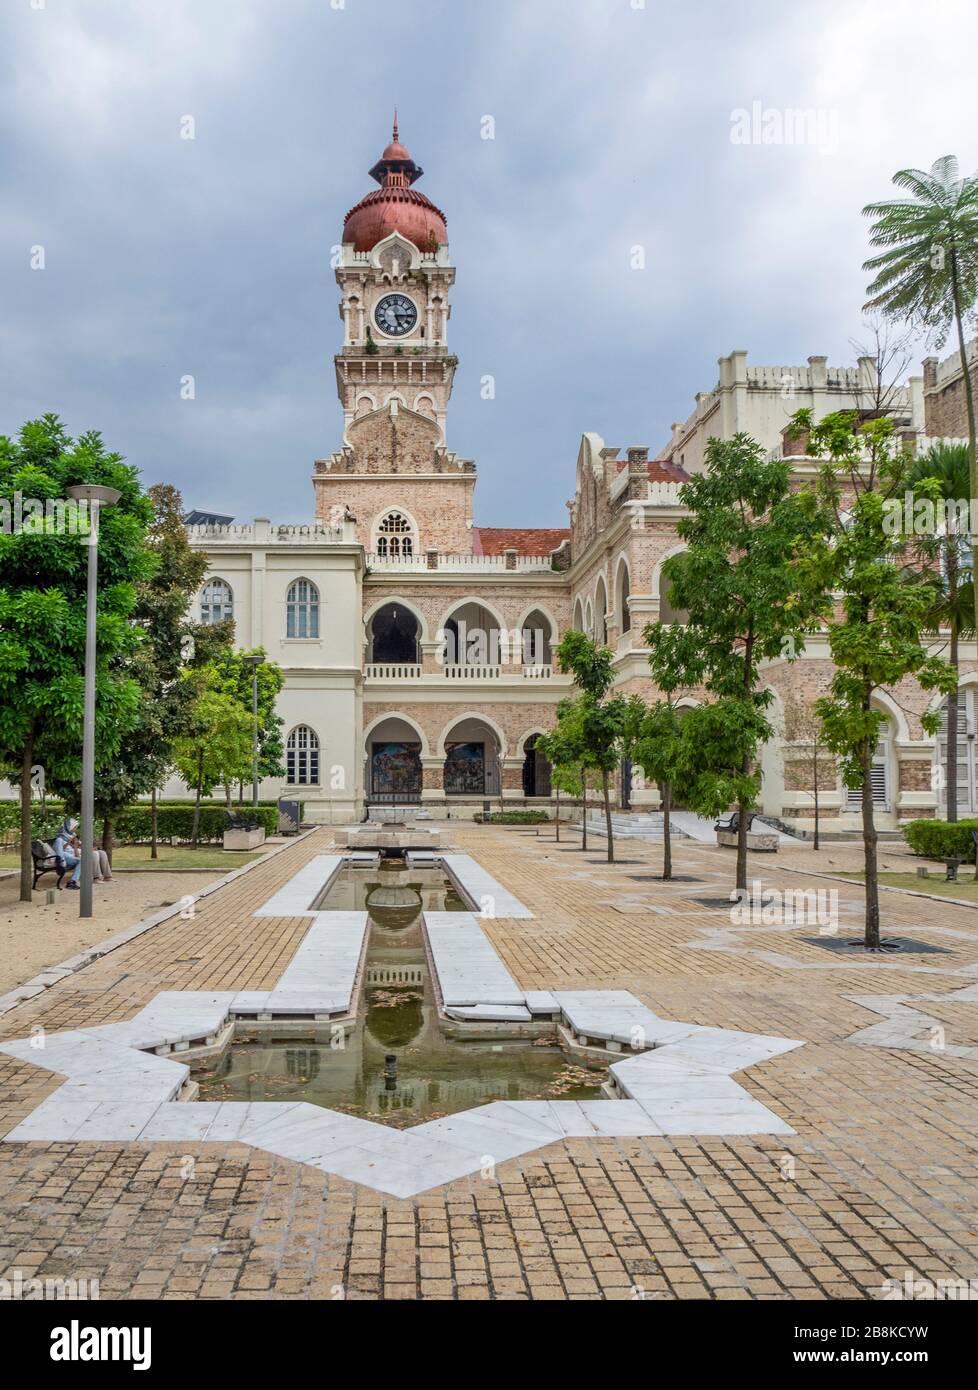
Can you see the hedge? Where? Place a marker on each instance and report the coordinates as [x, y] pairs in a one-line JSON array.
[[176, 823], [516, 818], [133, 825], [941, 839]]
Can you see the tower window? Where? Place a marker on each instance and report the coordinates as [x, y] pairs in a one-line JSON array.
[[395, 536]]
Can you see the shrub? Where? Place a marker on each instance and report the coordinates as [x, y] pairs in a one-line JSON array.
[[133, 825], [941, 839], [516, 818], [176, 823]]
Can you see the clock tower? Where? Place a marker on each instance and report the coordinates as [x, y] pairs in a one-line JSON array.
[[394, 371], [394, 275]]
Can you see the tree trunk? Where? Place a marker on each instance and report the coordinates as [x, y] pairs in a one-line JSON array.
[[969, 397], [584, 810], [667, 831], [607, 816], [742, 847], [869, 850], [952, 732], [745, 768], [227, 797], [951, 769], [200, 778], [815, 774], [26, 860], [557, 816], [153, 854], [107, 838]]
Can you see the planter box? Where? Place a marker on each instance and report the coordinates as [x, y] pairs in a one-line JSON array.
[[244, 839], [766, 844]]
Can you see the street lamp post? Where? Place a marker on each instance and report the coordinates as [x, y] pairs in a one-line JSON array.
[[254, 662], [96, 497]]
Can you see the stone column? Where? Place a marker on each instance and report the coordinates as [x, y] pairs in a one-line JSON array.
[[432, 779], [511, 778]]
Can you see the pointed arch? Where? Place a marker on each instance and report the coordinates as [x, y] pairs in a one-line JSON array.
[[601, 610], [623, 585]]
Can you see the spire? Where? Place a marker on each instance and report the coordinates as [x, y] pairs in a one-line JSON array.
[[396, 168]]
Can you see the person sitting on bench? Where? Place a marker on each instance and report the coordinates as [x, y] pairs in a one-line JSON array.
[[67, 846]]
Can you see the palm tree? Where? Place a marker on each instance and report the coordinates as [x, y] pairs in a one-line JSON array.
[[928, 275], [947, 552]]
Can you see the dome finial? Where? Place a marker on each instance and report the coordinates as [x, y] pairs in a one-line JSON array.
[[395, 135]]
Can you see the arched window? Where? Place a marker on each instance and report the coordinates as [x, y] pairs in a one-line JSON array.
[[624, 616], [302, 757], [601, 614], [302, 610], [395, 536], [216, 601]]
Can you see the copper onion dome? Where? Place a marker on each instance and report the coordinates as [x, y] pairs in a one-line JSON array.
[[395, 206]]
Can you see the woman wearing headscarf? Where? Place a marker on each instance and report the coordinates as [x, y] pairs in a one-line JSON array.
[[67, 847]]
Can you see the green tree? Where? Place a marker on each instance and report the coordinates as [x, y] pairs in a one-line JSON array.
[[946, 553], [928, 273], [803, 729], [599, 721], [748, 600], [875, 641], [660, 751], [565, 772], [217, 742], [233, 676], [144, 759], [43, 568]]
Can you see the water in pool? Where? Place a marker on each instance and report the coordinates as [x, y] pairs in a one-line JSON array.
[[431, 1075]]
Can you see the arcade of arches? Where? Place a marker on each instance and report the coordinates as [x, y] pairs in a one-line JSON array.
[[469, 763]]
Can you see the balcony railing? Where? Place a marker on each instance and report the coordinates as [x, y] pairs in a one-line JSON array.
[[393, 671], [414, 671], [472, 673], [461, 564]]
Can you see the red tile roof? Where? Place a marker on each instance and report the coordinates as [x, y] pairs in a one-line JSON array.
[[537, 540], [665, 471]]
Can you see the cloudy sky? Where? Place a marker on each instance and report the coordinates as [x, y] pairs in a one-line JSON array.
[[166, 257]]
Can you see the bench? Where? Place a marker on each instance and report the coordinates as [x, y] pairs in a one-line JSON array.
[[731, 823], [46, 862], [728, 828]]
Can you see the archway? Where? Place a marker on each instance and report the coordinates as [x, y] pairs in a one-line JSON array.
[[601, 613], [536, 769], [394, 762], [471, 759], [622, 611], [394, 634], [536, 639], [472, 636]]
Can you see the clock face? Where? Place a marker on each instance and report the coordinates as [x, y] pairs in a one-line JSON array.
[[396, 315]]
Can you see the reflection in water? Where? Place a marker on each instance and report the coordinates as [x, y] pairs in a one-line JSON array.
[[431, 1075]]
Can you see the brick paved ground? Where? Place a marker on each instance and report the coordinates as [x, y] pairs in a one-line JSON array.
[[879, 1179]]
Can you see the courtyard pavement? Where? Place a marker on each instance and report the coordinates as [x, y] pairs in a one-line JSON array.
[[878, 1179]]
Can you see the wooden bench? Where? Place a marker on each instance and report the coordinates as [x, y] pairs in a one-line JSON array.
[[46, 862]]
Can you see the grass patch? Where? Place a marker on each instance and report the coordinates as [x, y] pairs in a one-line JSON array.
[[965, 888], [170, 857]]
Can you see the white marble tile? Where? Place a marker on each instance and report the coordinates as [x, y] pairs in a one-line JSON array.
[[295, 898], [179, 1121], [482, 889]]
